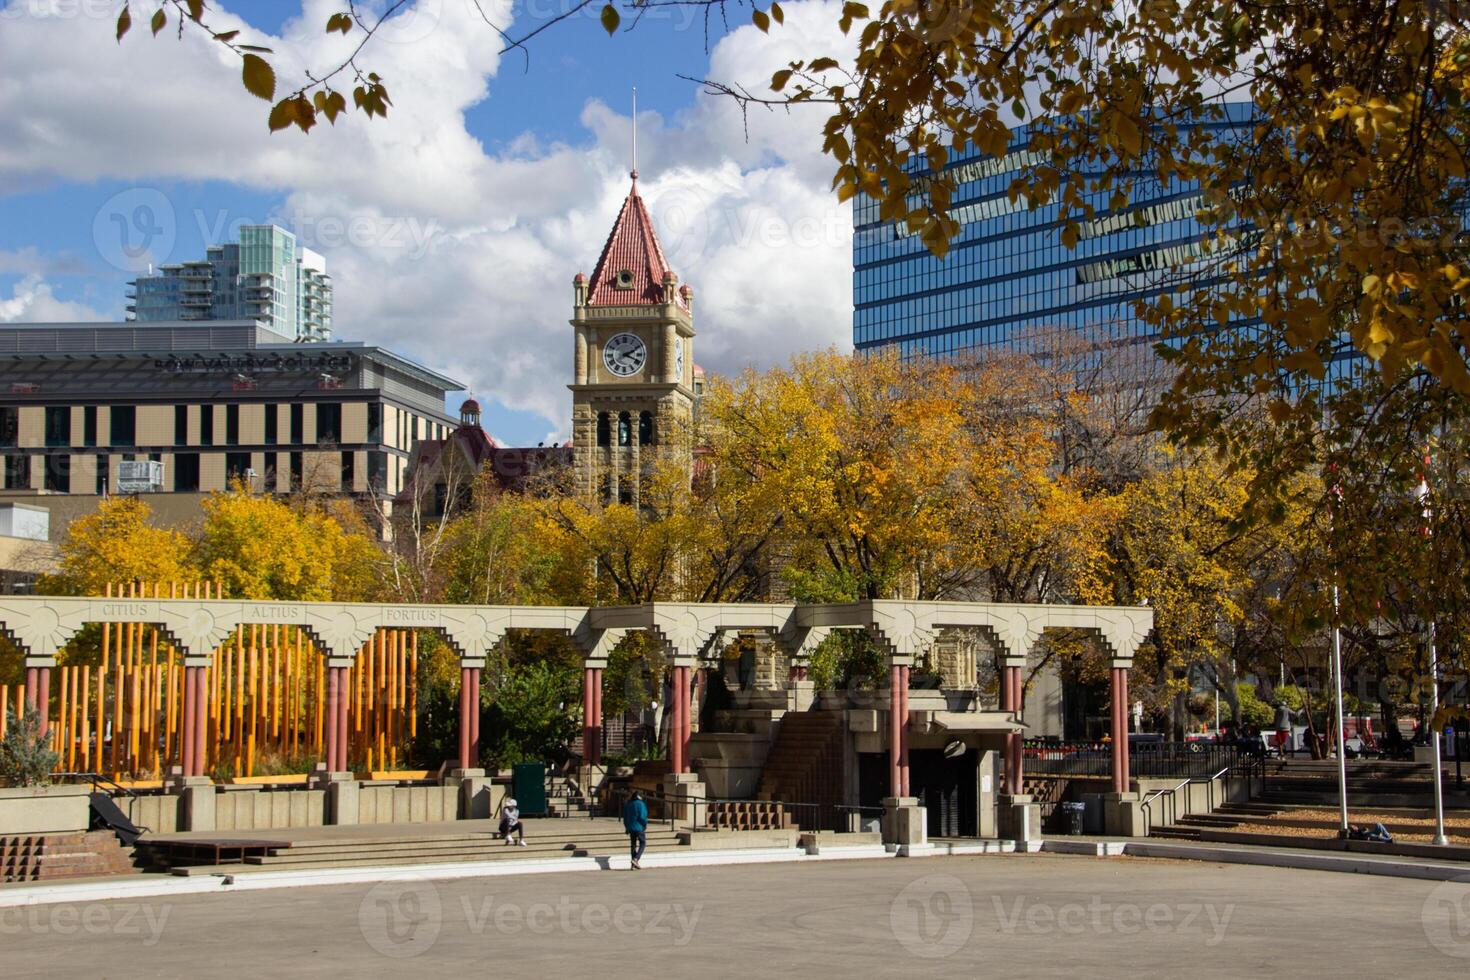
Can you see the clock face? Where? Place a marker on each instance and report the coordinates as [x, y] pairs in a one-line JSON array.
[[679, 359], [624, 355]]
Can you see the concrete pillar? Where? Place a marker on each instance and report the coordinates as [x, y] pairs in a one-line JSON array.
[[1120, 729], [905, 823], [200, 803]]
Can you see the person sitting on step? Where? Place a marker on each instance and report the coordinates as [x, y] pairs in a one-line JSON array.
[[510, 822]]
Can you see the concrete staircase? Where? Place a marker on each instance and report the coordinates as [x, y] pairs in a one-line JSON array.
[[564, 798], [1371, 782], [48, 857], [1227, 816], [544, 839], [805, 762]]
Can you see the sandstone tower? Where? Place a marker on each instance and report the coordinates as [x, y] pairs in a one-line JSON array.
[[633, 369]]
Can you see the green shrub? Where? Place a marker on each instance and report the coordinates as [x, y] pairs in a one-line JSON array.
[[26, 758]]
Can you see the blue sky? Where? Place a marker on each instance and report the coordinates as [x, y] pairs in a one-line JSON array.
[[492, 182]]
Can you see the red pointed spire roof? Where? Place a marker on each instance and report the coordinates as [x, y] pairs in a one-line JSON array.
[[630, 271]]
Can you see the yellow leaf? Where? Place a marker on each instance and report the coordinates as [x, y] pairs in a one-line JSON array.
[[258, 76]]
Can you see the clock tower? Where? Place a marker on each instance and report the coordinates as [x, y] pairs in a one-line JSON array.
[[633, 366]]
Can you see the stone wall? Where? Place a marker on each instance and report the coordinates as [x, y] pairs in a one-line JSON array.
[[407, 804]]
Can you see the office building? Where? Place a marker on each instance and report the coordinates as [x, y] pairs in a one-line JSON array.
[[1008, 282], [177, 410], [266, 277]]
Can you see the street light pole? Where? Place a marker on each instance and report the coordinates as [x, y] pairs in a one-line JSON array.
[[1439, 834], [1337, 692]]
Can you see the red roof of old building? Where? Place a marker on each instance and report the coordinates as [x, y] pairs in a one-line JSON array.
[[632, 248]]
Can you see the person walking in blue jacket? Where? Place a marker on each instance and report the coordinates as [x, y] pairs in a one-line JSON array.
[[635, 822]]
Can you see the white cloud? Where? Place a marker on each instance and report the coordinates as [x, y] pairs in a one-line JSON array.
[[32, 299], [456, 256]]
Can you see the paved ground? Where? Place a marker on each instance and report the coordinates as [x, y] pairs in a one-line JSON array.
[[1031, 915]]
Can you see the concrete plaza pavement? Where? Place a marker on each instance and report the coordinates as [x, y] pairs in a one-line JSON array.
[[1022, 915]]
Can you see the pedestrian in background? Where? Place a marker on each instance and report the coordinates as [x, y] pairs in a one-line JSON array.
[[635, 822]]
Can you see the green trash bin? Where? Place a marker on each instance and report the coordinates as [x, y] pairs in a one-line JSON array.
[[528, 787]]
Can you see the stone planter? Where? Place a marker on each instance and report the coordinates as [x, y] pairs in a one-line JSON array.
[[44, 809]]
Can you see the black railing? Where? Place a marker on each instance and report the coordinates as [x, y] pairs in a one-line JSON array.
[[727, 813], [1149, 760]]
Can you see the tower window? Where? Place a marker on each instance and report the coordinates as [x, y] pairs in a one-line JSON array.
[[625, 429], [604, 429], [645, 429], [625, 279]]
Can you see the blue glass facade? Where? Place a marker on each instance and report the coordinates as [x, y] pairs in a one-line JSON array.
[[266, 276], [1008, 278]]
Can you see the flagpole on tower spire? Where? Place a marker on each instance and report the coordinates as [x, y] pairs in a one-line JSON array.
[[635, 133]]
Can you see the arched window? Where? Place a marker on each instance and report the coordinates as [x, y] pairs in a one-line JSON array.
[[625, 429], [604, 429], [645, 429]]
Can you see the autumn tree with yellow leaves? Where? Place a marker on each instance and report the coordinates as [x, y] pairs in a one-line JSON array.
[[254, 546], [118, 542]]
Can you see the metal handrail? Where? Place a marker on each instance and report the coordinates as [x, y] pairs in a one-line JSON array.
[[1174, 810], [99, 782], [105, 784]]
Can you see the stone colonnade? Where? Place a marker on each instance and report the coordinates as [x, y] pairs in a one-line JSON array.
[[690, 635]]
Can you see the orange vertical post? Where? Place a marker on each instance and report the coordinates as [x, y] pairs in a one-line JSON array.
[[413, 685], [253, 689], [102, 670], [86, 729], [61, 743]]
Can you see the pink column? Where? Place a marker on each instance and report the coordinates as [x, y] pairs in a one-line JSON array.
[[342, 704], [798, 672], [588, 752], [903, 728], [678, 706], [597, 716], [693, 695], [684, 719], [1012, 694], [475, 716], [191, 709], [33, 684], [465, 685], [43, 697], [201, 721], [333, 695], [1120, 729], [895, 730]]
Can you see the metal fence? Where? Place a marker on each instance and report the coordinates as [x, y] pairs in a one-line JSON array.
[[1147, 759]]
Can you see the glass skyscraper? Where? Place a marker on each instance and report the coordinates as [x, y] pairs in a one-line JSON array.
[[267, 276], [1008, 279]]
